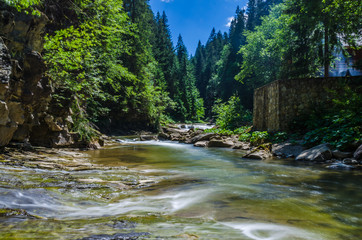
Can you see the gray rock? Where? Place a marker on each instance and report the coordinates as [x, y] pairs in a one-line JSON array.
[[258, 155], [340, 166], [358, 153], [175, 136], [201, 144], [320, 153], [148, 137], [163, 136], [202, 137], [350, 161], [341, 155], [241, 145], [287, 150], [225, 143]]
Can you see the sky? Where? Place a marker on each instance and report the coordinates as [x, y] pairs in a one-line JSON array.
[[194, 19]]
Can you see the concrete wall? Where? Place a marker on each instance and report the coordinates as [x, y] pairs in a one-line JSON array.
[[281, 102]]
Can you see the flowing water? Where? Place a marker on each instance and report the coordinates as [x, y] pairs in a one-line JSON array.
[[164, 190]]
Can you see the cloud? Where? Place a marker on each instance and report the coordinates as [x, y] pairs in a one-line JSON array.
[[166, 1], [230, 19]]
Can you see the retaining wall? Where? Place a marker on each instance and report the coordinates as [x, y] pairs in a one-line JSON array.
[[278, 104]]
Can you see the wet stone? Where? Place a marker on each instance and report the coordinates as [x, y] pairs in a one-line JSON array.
[[118, 236], [123, 224]]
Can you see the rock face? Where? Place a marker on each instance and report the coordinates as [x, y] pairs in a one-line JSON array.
[[320, 153], [27, 110]]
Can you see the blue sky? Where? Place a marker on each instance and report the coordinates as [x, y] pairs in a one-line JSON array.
[[194, 19]]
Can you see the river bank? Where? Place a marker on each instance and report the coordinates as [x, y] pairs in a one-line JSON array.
[[322, 154]]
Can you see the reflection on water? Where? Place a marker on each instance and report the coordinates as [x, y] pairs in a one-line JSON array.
[[182, 193]]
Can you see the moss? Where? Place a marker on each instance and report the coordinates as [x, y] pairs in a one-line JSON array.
[[9, 212]]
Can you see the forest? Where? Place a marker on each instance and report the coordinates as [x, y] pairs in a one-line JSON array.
[[118, 64]]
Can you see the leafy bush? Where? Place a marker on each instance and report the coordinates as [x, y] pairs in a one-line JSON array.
[[245, 137], [279, 137], [25, 5], [227, 132], [258, 138], [255, 138], [231, 114]]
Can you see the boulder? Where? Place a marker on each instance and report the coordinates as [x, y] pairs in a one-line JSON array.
[[148, 137], [201, 144], [340, 166], [163, 136], [358, 153], [258, 155], [202, 137], [341, 155], [320, 153], [241, 145], [175, 136], [350, 161], [287, 150], [225, 143]]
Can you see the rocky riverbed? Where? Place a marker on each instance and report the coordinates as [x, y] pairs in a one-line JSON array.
[[324, 153]]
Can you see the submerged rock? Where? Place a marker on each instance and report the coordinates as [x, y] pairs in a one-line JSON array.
[[320, 153], [118, 236], [9, 212]]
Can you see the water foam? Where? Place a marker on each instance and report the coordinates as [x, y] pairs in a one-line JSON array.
[[269, 231]]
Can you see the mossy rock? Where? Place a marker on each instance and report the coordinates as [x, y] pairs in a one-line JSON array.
[[9, 212]]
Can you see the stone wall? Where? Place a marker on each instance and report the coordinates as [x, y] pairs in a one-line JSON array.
[[26, 111], [281, 102]]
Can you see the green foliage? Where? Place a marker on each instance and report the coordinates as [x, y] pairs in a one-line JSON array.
[[340, 126], [264, 54], [109, 70], [279, 137], [238, 131], [231, 115], [25, 5], [245, 137], [256, 138], [189, 104]]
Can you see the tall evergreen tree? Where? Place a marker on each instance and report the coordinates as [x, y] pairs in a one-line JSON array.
[[164, 51], [190, 106]]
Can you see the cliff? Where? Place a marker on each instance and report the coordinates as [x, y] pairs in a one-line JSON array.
[[28, 111]]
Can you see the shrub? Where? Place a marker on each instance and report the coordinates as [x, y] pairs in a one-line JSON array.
[[258, 138], [231, 114]]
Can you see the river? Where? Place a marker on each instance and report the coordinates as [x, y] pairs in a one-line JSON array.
[[165, 190]]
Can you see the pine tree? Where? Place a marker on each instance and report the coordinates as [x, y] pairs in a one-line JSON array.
[[164, 51]]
